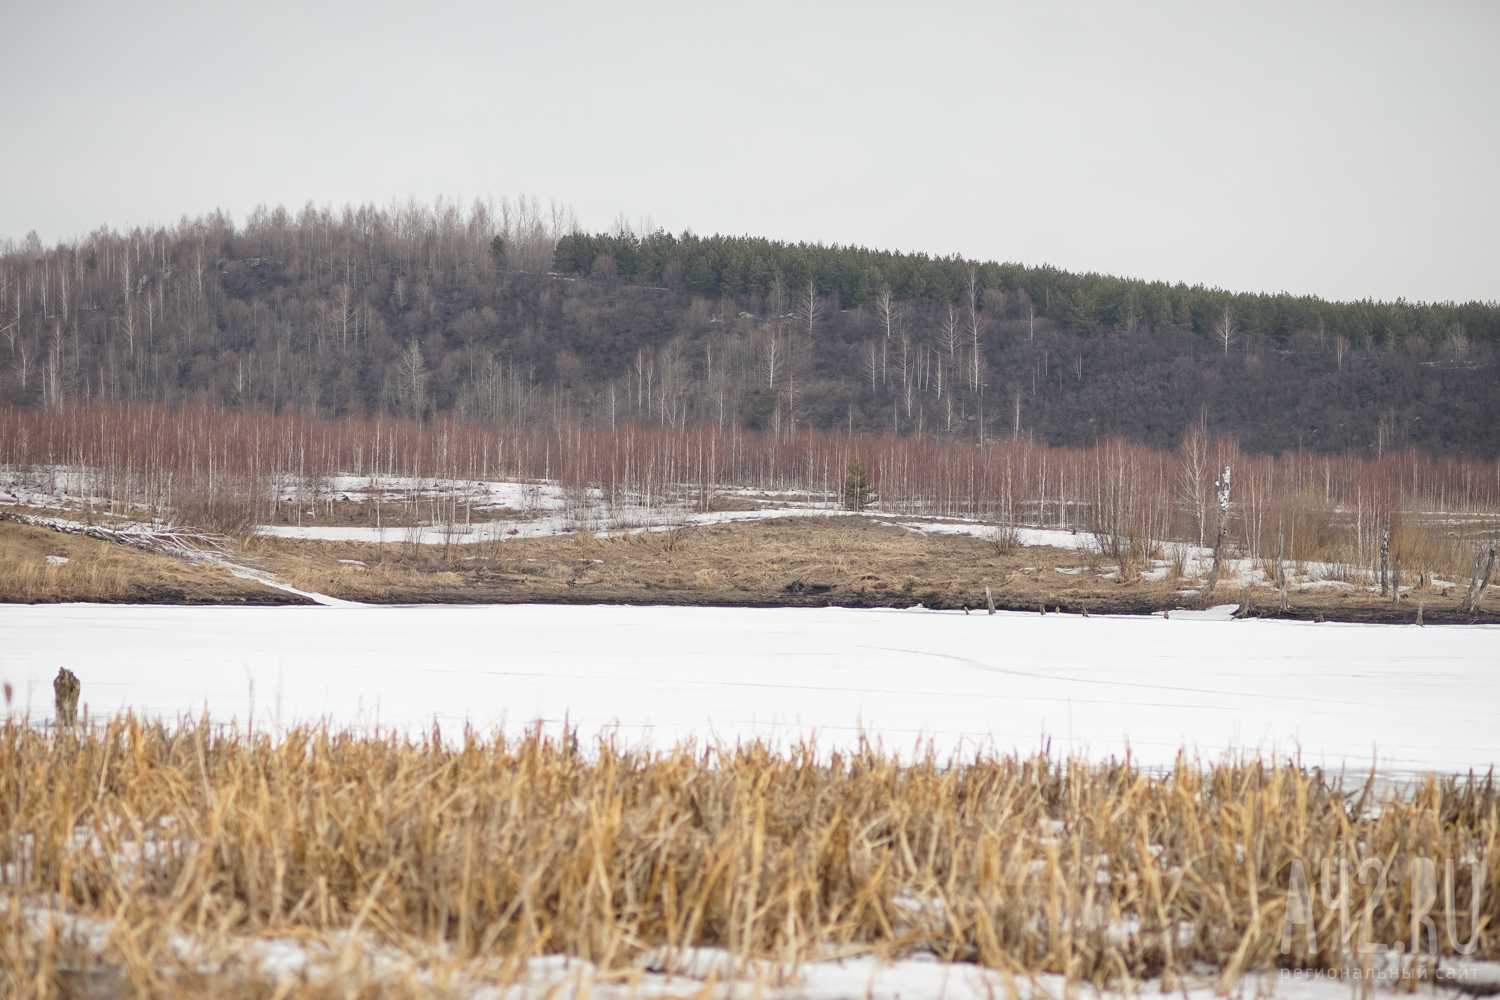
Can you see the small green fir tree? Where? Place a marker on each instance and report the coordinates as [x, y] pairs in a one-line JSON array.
[[857, 486]]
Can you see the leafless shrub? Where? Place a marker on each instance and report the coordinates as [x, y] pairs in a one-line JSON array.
[[1177, 562], [1004, 539], [229, 505]]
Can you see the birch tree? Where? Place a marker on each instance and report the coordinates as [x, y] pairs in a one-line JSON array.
[[411, 379], [976, 357], [809, 309], [1226, 330], [885, 309], [1192, 481], [772, 356]]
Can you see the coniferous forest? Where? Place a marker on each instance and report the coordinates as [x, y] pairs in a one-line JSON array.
[[508, 310]]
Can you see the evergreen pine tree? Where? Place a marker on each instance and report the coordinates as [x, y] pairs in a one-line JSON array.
[[857, 486]]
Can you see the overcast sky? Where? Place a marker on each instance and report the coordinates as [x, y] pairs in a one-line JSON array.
[[1344, 150]]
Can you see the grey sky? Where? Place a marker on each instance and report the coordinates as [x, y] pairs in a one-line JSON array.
[[1345, 150]]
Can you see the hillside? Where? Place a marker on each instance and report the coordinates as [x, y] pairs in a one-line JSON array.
[[509, 311]]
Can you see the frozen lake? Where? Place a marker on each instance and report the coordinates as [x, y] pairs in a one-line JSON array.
[[1418, 699]]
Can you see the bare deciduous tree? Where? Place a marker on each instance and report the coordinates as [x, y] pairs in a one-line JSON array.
[[885, 309], [1213, 573], [906, 368], [411, 379], [871, 359], [976, 326], [772, 356], [1192, 483], [809, 309], [778, 296], [24, 367], [1226, 330]]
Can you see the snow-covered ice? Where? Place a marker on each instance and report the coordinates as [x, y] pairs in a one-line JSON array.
[[1417, 699]]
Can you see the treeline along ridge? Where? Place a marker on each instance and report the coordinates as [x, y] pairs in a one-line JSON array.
[[508, 310]]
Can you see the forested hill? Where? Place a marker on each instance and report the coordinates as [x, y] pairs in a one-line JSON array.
[[509, 312], [854, 276]]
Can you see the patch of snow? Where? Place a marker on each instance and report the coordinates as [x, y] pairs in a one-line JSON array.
[[1096, 687], [1217, 613], [265, 578]]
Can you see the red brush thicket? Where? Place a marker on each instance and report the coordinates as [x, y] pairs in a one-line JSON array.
[[174, 461]]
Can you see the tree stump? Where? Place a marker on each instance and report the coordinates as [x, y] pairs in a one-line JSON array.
[[66, 688]]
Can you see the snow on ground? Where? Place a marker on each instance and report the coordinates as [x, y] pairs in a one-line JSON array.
[[537, 527], [922, 976], [1417, 699], [714, 973]]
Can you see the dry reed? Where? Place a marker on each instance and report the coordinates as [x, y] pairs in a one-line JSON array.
[[486, 847]]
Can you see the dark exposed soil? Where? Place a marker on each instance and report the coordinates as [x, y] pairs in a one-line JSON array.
[[1121, 604], [199, 595]]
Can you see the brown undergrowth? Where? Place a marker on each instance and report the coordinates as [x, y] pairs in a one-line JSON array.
[[180, 842]]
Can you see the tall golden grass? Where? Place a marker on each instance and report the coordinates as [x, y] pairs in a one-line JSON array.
[[483, 846], [26, 575], [40, 565]]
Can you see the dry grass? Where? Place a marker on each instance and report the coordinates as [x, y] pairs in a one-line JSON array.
[[101, 571], [493, 850], [847, 558], [360, 570]]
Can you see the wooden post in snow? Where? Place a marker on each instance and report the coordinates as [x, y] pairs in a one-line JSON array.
[[989, 601], [65, 688]]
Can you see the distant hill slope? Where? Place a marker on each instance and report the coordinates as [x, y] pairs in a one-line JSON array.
[[854, 276], [506, 313]]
